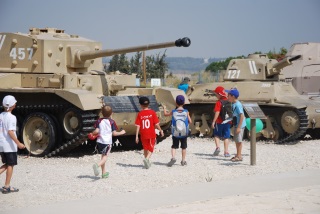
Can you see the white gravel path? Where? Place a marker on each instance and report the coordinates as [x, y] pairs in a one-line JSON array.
[[45, 181]]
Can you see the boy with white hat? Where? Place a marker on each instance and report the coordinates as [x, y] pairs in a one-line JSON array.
[[9, 143]]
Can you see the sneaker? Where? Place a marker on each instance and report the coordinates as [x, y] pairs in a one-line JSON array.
[[95, 169], [172, 161], [146, 163], [183, 163], [216, 152], [227, 154], [149, 163], [105, 175]]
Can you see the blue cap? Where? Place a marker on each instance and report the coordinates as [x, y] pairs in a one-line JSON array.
[[180, 100], [234, 92]]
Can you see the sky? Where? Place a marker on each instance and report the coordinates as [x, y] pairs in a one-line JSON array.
[[216, 28]]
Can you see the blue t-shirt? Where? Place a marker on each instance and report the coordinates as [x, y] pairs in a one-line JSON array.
[[183, 87], [237, 109]]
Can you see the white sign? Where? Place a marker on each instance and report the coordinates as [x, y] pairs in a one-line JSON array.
[[155, 82]]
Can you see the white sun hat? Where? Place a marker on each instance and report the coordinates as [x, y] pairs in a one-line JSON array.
[[8, 101]]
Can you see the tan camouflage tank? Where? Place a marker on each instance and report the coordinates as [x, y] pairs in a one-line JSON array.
[[60, 85], [289, 114]]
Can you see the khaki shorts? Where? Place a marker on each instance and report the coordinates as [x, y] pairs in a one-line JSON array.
[[238, 137]]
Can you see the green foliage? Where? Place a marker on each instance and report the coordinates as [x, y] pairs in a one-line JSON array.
[[221, 65], [114, 63], [277, 55]]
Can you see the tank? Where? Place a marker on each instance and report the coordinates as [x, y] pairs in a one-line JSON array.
[[304, 73], [289, 114], [60, 87]]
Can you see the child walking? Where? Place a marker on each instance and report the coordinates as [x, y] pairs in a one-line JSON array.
[[221, 130], [238, 112], [9, 143], [180, 129], [105, 128], [146, 122]]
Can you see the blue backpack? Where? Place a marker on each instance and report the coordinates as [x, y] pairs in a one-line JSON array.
[[180, 123]]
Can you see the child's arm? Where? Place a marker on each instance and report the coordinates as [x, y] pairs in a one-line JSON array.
[[189, 118], [216, 115], [165, 111], [159, 128], [115, 133], [240, 123], [14, 138], [137, 134], [96, 131]]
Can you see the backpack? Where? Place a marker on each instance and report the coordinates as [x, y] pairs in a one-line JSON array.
[[180, 123], [226, 110]]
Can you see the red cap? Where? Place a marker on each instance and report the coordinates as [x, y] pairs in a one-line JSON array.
[[220, 90]]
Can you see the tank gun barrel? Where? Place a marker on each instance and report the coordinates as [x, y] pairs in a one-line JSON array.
[[285, 62], [86, 55], [276, 68]]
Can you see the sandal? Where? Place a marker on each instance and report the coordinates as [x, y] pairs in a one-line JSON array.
[[6, 190], [236, 159]]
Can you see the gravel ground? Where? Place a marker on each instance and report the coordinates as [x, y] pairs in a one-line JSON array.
[[45, 181]]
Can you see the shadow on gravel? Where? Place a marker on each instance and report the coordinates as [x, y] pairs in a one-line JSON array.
[[203, 154], [230, 163], [94, 178], [129, 165], [159, 163]]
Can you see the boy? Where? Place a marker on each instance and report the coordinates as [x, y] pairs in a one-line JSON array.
[[221, 130], [146, 122], [183, 115], [8, 142], [184, 85], [238, 112], [105, 128]]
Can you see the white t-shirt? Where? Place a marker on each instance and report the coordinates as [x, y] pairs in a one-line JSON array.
[[106, 127], [7, 122]]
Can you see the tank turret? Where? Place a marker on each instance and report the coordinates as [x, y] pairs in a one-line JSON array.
[[256, 67], [60, 85]]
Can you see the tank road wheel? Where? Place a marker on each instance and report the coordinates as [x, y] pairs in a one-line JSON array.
[[39, 133], [72, 123], [290, 121]]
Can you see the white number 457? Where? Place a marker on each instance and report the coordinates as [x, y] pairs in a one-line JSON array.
[[20, 53]]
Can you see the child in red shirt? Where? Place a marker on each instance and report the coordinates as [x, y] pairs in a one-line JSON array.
[[221, 131], [146, 122]]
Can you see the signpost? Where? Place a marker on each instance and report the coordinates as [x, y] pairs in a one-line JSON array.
[[254, 112]]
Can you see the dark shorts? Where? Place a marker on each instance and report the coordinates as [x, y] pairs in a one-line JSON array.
[[9, 158], [176, 141], [222, 131], [104, 149]]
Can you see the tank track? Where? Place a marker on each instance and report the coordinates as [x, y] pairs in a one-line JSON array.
[[88, 120], [303, 117]]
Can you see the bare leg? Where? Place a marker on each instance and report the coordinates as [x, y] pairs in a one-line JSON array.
[[184, 153], [226, 146], [148, 154], [217, 142], [3, 168], [145, 153], [173, 153], [8, 176], [102, 163], [239, 149]]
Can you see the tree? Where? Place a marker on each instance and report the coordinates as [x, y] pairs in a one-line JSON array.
[[135, 65], [221, 65], [123, 64], [114, 63], [278, 56]]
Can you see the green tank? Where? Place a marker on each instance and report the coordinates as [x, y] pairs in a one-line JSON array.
[[289, 114], [59, 83]]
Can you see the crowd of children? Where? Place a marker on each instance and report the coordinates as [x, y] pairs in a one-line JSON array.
[[146, 122]]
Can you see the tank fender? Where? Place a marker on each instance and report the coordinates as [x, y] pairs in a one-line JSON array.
[[167, 96], [83, 99]]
